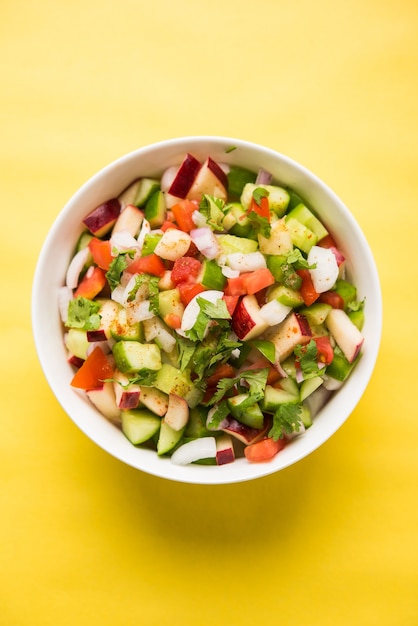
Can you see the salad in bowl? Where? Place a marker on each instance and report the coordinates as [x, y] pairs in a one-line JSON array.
[[210, 311]]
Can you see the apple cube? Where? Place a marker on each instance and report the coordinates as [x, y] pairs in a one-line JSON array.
[[104, 400], [345, 333], [210, 179], [154, 400], [102, 219], [288, 334], [224, 449], [247, 323], [279, 242], [127, 395], [130, 220], [177, 414]]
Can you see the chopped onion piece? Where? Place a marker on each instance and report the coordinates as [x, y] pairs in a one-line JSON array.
[[274, 312], [145, 229], [139, 311], [65, 295], [246, 262], [229, 272], [202, 448], [76, 267], [326, 271], [205, 241], [123, 241], [263, 177]]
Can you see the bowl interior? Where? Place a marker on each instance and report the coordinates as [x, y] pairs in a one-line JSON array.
[[151, 161]]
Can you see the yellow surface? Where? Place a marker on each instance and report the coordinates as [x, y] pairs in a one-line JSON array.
[[87, 540]]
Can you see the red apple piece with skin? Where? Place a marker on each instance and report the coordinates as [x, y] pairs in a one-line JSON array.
[[104, 400], [126, 395], [224, 450], [102, 219], [345, 333], [177, 414], [247, 322], [243, 433], [154, 400], [185, 176], [210, 179], [288, 334]]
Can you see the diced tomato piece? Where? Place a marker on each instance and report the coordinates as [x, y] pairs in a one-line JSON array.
[[325, 351], [185, 269], [91, 284], [224, 370], [189, 290], [231, 303], [262, 363], [149, 264], [307, 289], [95, 369], [235, 287], [172, 320], [193, 250], [257, 280], [263, 450], [183, 212], [333, 298], [262, 209], [101, 252], [168, 224], [327, 242]]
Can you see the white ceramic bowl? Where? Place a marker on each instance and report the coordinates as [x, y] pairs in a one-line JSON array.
[[151, 161]]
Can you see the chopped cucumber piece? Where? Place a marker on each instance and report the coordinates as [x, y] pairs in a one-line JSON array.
[[168, 438], [155, 209], [132, 356], [302, 237], [238, 177], [146, 187], [316, 313], [251, 416], [277, 196], [305, 216], [309, 385], [212, 276], [273, 398], [230, 244], [139, 425]]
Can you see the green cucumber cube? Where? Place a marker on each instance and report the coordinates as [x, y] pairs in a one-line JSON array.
[[139, 425], [133, 356]]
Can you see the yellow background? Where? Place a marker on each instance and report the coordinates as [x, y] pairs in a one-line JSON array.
[[330, 541]]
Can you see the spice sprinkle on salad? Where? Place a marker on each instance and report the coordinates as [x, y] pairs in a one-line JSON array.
[[208, 313]]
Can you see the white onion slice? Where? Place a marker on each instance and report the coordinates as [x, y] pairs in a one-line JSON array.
[[205, 241], [246, 262], [76, 267], [65, 295], [139, 311], [123, 241], [229, 272], [145, 229], [202, 448], [326, 271]]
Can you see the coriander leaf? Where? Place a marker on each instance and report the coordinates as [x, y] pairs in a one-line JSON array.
[[260, 192], [298, 261], [230, 149], [216, 415], [144, 377], [186, 350], [116, 268], [149, 283], [256, 380], [83, 314], [306, 357], [355, 305], [285, 421], [208, 311], [289, 277], [260, 224], [212, 209]]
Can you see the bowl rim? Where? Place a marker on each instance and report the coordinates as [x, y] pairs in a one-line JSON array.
[[104, 436]]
